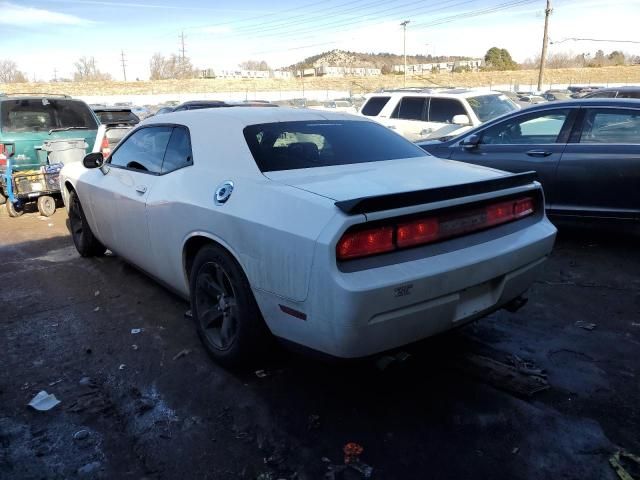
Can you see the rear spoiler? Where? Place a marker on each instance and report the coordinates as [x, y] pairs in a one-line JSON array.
[[417, 197]]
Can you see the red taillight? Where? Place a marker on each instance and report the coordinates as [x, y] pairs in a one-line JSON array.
[[3, 154], [362, 243], [105, 148], [418, 232], [523, 207]]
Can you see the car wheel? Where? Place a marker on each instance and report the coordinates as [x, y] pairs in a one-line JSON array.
[[84, 240], [46, 205], [226, 313], [14, 211]]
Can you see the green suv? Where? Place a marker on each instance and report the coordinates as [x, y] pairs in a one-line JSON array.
[[27, 121]]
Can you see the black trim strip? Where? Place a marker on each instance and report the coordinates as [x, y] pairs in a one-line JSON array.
[[417, 197]]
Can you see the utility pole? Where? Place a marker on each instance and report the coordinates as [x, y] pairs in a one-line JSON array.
[[545, 41], [404, 47], [124, 65], [55, 74], [182, 46]]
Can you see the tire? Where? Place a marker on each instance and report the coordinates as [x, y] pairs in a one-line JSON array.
[[14, 211], [227, 316], [46, 205], [84, 240]]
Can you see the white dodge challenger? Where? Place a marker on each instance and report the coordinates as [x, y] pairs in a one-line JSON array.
[[325, 230]]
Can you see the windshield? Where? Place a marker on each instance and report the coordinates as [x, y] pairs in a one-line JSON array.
[[44, 114], [291, 145], [115, 116], [488, 107]]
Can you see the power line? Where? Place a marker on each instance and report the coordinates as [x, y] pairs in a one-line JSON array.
[[594, 40], [124, 65], [438, 21]]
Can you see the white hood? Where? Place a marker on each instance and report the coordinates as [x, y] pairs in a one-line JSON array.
[[345, 182]]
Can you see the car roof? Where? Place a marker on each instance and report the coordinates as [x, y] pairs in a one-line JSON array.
[[441, 93], [625, 88], [244, 116], [586, 102], [111, 109]]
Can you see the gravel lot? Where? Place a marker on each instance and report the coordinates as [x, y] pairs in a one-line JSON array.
[[132, 406]]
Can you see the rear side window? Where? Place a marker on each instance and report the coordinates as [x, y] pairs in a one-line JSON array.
[[443, 110], [144, 150], [178, 152], [611, 126], [410, 108], [628, 94], [292, 145], [44, 114], [118, 117], [374, 106]]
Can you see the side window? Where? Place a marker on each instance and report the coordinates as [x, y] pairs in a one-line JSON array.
[[374, 106], [444, 109], [144, 150], [611, 126], [544, 127], [410, 108], [178, 152]]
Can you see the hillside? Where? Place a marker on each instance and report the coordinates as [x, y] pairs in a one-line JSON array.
[[384, 61]]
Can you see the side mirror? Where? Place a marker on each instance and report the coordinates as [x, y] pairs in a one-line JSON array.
[[461, 120], [472, 141], [93, 160]]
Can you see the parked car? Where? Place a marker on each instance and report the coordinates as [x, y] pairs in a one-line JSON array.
[[28, 121], [108, 136], [336, 106], [164, 110], [323, 229], [423, 114], [556, 95], [200, 104], [528, 100], [615, 92], [586, 153], [141, 112], [121, 115]]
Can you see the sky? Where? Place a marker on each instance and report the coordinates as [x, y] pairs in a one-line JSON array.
[[43, 36]]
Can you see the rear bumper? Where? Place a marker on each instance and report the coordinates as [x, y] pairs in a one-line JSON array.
[[356, 314]]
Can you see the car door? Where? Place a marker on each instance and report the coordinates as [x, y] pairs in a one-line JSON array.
[[167, 208], [409, 117], [440, 117], [529, 141], [118, 197], [599, 172]]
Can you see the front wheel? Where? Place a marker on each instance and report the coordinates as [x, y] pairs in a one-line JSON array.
[[46, 205], [84, 240], [13, 210], [226, 313]]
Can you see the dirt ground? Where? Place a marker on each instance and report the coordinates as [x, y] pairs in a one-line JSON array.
[[357, 85], [133, 407]]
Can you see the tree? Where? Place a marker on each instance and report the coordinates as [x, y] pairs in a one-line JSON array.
[[254, 65], [171, 67], [616, 58], [499, 59], [86, 71], [9, 72]]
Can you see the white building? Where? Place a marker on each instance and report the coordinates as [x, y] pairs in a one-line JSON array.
[[334, 71], [421, 68]]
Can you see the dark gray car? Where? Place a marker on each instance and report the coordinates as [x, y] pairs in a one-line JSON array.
[[586, 154]]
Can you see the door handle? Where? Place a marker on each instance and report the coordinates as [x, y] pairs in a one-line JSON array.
[[538, 153], [141, 189]]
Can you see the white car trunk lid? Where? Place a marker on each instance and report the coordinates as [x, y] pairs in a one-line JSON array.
[[344, 182]]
